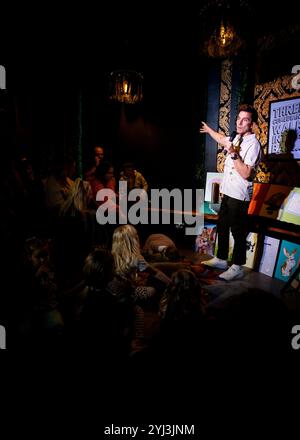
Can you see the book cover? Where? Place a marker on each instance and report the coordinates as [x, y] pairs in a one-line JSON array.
[[288, 260], [290, 208], [259, 193], [251, 241], [273, 200], [269, 255], [212, 187], [205, 240]]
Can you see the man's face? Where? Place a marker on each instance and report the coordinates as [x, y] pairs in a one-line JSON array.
[[98, 154], [129, 171], [244, 123]]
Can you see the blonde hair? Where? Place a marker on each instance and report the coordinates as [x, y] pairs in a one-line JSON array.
[[125, 250], [77, 199]]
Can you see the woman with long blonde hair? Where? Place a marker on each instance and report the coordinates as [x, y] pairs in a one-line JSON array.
[[141, 280], [129, 264], [126, 250], [75, 229]]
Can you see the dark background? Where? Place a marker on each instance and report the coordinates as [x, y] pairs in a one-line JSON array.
[[56, 55]]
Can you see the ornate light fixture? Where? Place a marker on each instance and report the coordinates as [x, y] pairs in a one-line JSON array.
[[226, 34], [220, 21], [224, 41], [126, 86]]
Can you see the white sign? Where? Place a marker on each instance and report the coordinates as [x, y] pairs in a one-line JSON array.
[[284, 127]]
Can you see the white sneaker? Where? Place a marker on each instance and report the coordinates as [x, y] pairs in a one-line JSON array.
[[233, 273], [216, 263]]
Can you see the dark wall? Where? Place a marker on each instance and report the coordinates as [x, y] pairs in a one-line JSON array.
[[69, 68]]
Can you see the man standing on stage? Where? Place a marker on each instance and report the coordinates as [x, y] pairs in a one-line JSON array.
[[243, 156]]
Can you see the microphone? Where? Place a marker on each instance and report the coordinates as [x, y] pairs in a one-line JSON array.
[[231, 137]]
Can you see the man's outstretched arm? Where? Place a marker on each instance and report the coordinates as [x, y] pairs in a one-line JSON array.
[[218, 137]]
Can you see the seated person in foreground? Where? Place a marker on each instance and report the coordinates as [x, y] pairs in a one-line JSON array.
[[131, 267], [89, 175], [160, 247]]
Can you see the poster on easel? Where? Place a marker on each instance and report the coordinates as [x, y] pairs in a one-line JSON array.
[[290, 209], [269, 256], [206, 239], [212, 187], [273, 200], [251, 242], [259, 193], [284, 116], [288, 260]]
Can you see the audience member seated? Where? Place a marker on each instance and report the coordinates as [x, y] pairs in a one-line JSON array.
[[34, 210], [89, 175], [104, 178], [133, 177], [130, 264], [183, 299], [145, 282], [160, 247], [58, 184], [106, 319], [161, 251], [181, 310], [40, 319], [76, 231]]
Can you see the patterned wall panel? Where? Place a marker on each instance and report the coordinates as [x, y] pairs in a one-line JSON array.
[[225, 108], [265, 93]]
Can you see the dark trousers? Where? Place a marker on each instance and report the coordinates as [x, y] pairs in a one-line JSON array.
[[233, 215]]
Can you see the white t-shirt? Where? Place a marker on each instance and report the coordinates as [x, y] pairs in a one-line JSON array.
[[233, 184]]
